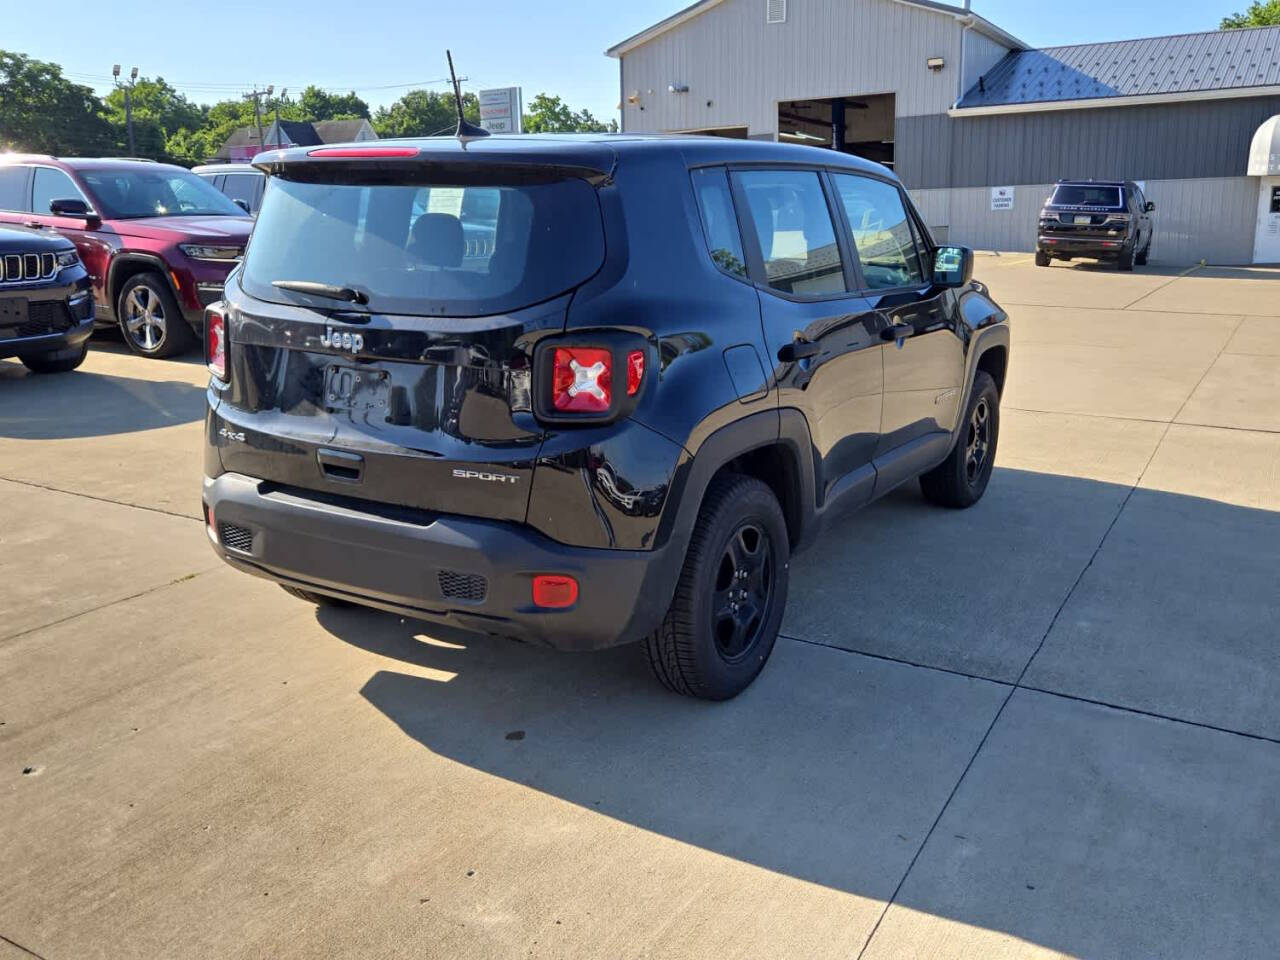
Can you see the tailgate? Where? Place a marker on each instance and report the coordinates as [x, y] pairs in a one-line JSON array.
[[398, 410]]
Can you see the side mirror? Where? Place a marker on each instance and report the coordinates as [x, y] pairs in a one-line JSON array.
[[952, 266], [71, 208], [242, 204], [1149, 206]]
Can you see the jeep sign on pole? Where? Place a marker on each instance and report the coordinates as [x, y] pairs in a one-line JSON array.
[[500, 110]]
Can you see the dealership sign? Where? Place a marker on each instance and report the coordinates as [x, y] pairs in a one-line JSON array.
[[500, 110], [1002, 198]]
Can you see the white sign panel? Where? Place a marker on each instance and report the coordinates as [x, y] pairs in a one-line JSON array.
[[1002, 198], [500, 110]]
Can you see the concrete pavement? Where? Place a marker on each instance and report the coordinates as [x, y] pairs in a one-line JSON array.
[[1066, 745]]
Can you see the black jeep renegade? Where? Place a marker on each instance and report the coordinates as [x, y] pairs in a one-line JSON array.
[[46, 307], [585, 391]]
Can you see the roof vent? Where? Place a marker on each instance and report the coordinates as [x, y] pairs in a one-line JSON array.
[[775, 11]]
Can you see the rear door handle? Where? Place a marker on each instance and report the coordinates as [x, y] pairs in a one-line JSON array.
[[798, 350], [32, 223]]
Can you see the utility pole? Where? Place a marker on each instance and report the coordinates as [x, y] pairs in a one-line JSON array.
[[128, 102], [283, 95], [256, 97]]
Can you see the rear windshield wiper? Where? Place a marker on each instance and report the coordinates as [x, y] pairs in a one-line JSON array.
[[329, 291]]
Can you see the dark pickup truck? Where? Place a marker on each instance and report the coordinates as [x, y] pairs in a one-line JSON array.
[[617, 421], [1096, 219]]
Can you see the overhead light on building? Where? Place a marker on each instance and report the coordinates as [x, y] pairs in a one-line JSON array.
[[679, 88], [935, 63], [633, 96]]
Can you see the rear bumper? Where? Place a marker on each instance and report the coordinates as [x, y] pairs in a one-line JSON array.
[[419, 567], [1066, 245]]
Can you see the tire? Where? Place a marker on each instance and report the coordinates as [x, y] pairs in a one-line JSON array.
[[58, 361], [319, 599], [739, 548], [150, 319], [1141, 258], [961, 480], [1042, 259], [1125, 263]]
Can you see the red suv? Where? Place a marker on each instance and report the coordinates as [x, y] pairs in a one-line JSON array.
[[157, 240]]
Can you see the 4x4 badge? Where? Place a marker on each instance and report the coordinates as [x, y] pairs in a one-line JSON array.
[[342, 341]]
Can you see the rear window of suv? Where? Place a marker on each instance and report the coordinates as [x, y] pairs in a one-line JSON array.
[[1085, 195], [428, 249]]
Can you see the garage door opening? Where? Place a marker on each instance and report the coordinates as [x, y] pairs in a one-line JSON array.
[[859, 125]]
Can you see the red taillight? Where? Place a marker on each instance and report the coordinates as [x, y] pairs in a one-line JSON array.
[[215, 343], [364, 152], [582, 380], [554, 591], [635, 371]]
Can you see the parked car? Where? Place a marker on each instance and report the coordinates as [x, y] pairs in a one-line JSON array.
[[680, 359], [157, 241], [46, 306], [242, 182], [1098, 219]]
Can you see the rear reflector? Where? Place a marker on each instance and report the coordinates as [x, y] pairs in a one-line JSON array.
[[554, 591], [215, 343], [635, 371], [365, 152]]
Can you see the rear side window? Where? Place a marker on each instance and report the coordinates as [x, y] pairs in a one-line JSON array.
[[719, 224], [1086, 195], [243, 186], [881, 232], [13, 183], [428, 249], [793, 227]]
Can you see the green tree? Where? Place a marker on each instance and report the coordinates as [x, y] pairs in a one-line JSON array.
[[549, 114], [159, 112], [318, 105], [43, 112], [424, 113], [1259, 14]]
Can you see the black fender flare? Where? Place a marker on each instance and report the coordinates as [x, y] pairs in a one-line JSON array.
[[785, 428], [152, 261], [984, 339]]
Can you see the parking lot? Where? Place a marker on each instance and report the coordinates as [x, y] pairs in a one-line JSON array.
[[1059, 735]]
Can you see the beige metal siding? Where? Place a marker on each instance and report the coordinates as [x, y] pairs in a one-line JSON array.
[[744, 66], [1211, 219]]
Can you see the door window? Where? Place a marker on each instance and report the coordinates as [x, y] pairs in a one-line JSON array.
[[242, 186], [719, 224], [13, 183], [50, 185], [793, 227], [880, 231]]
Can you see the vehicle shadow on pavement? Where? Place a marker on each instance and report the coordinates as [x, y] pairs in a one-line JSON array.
[[832, 768], [86, 404]]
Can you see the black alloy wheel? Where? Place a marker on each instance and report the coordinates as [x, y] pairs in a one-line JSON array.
[[743, 592], [978, 442], [724, 618]]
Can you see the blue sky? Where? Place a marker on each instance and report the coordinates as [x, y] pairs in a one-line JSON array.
[[383, 47]]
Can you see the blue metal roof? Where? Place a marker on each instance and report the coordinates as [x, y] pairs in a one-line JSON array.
[[1188, 63]]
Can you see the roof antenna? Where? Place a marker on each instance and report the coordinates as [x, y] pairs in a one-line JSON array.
[[465, 130]]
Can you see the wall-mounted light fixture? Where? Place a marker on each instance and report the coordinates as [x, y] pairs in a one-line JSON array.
[[633, 96], [935, 63], [679, 88]]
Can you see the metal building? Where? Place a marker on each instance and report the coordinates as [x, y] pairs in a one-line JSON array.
[[961, 109]]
